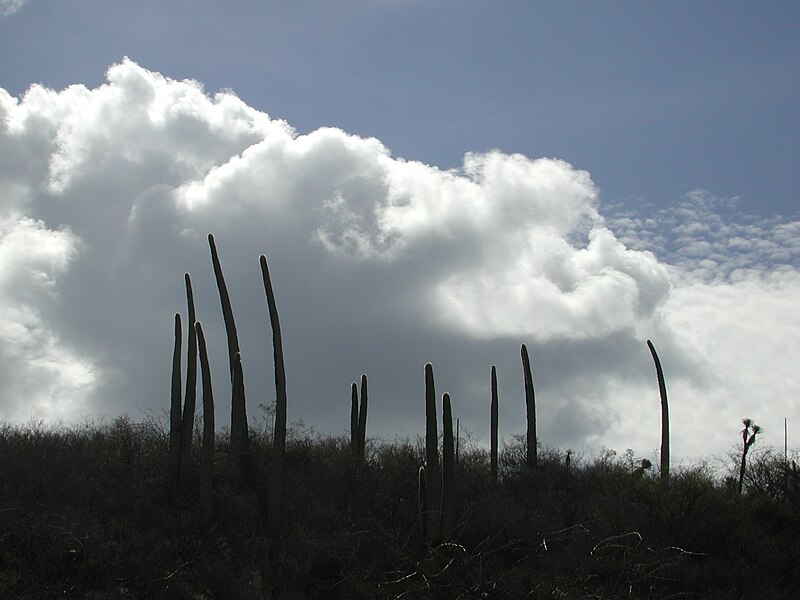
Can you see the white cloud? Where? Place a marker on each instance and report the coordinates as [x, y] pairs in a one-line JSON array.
[[43, 376], [9, 7], [380, 264]]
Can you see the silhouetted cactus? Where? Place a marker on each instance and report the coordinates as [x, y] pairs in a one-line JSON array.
[[207, 453], [448, 471], [748, 439], [279, 435], [494, 418], [224, 298], [239, 433], [354, 431], [190, 399], [362, 421], [433, 475], [239, 455], [662, 390], [532, 457], [422, 502], [175, 410]]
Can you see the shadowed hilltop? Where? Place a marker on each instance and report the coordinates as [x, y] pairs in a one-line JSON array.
[[86, 513]]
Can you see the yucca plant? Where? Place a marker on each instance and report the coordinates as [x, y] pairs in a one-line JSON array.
[[749, 433]]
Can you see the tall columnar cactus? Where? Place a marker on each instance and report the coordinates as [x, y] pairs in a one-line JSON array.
[[227, 311], [432, 470], [662, 390], [354, 420], [362, 421], [207, 453], [748, 439], [239, 433], [190, 399], [175, 410], [494, 409], [532, 457], [279, 435], [448, 471]]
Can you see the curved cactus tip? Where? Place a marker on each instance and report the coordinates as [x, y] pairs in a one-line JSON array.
[[210, 238]]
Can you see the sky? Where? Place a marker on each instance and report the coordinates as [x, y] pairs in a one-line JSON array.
[[431, 182]]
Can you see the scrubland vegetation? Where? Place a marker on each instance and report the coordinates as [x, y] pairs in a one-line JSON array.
[[87, 512]]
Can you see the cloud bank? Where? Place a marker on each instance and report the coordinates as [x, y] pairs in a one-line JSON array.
[[380, 264]]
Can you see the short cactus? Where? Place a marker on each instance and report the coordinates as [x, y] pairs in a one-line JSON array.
[[354, 431], [422, 502], [532, 457], [207, 455], [362, 421], [175, 410], [494, 418]]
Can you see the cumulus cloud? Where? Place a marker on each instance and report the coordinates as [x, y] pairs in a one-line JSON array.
[[380, 264], [42, 375]]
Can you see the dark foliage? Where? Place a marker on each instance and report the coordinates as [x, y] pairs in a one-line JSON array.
[[85, 514]]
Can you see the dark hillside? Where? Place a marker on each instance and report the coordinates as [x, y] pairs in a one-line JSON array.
[[86, 513]]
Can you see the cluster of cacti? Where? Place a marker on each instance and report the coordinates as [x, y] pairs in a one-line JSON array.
[[437, 485], [182, 413], [662, 390], [358, 421], [182, 418], [436, 478]]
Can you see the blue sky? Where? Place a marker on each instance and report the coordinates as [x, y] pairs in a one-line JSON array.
[[654, 100], [448, 179]]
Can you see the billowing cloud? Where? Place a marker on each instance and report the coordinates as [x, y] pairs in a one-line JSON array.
[[380, 264], [42, 375]]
